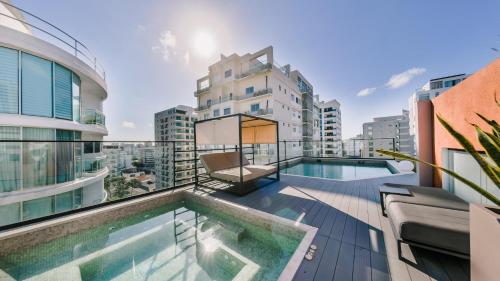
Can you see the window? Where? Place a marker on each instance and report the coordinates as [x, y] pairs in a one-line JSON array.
[[38, 208], [279, 87], [206, 115], [10, 170], [227, 111], [64, 152], [216, 112], [255, 107], [249, 90], [228, 73], [10, 213], [36, 86], [209, 102], [9, 79], [63, 96], [76, 98], [297, 100], [436, 85], [38, 157]]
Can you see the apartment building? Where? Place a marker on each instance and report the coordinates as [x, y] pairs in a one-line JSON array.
[[429, 91], [47, 94], [331, 128], [389, 133], [174, 124], [353, 147], [255, 84], [117, 158]]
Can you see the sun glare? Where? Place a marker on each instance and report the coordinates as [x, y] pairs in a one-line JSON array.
[[203, 44]]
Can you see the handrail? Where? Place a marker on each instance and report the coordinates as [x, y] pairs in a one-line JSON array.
[[91, 60]]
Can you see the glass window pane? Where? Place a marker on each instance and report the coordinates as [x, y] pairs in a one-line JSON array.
[[64, 202], [62, 92], [38, 157], [77, 196], [65, 161], [10, 213], [9, 79], [76, 98], [10, 170], [36, 86], [38, 208]]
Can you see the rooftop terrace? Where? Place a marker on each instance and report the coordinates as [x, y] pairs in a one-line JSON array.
[[354, 240]]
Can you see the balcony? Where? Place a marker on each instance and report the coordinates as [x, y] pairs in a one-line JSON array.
[[260, 112], [93, 117], [259, 93], [201, 91], [254, 69], [55, 35]]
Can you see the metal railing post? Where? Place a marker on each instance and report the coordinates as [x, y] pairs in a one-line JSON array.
[[285, 149], [174, 163]]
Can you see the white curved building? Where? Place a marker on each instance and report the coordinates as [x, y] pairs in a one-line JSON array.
[[50, 96]]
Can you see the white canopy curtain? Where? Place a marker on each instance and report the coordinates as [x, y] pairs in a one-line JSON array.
[[225, 131]]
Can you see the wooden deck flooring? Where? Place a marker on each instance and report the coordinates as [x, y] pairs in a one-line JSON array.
[[354, 240]]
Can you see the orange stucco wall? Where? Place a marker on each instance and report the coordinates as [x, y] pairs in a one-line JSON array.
[[458, 106], [426, 141]]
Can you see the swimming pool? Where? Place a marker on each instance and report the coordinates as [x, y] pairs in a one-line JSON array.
[[184, 240], [341, 170]]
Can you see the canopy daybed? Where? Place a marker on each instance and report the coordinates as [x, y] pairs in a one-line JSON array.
[[224, 140]]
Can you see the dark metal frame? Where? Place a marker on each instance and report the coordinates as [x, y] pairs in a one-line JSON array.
[[240, 188]]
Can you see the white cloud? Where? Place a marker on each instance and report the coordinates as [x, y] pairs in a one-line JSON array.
[[168, 42], [366, 92], [187, 57], [128, 124], [403, 78]]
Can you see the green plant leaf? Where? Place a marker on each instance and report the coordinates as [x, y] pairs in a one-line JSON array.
[[490, 146], [492, 123], [469, 183], [467, 145]]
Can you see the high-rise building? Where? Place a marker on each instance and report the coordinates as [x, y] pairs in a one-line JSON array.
[[389, 133], [255, 84], [48, 98], [331, 128], [174, 124]]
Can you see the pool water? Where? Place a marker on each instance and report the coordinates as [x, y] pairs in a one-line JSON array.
[[182, 241], [340, 171]]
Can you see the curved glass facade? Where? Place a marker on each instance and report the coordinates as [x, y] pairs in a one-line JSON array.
[[31, 85]]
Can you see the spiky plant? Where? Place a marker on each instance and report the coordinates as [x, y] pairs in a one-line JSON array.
[[490, 141]]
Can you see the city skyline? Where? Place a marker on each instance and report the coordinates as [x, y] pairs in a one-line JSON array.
[[153, 58]]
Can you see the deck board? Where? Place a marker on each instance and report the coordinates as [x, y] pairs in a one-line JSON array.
[[354, 240]]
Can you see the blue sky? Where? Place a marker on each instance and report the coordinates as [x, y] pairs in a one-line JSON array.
[[348, 50]]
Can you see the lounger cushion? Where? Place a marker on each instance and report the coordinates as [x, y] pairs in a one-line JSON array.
[[438, 227], [428, 196], [233, 175]]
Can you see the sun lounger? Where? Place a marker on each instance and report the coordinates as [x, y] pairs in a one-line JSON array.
[[430, 218]]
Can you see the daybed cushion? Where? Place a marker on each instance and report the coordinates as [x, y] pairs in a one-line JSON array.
[[221, 161], [233, 175], [428, 196], [261, 169], [439, 227]]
